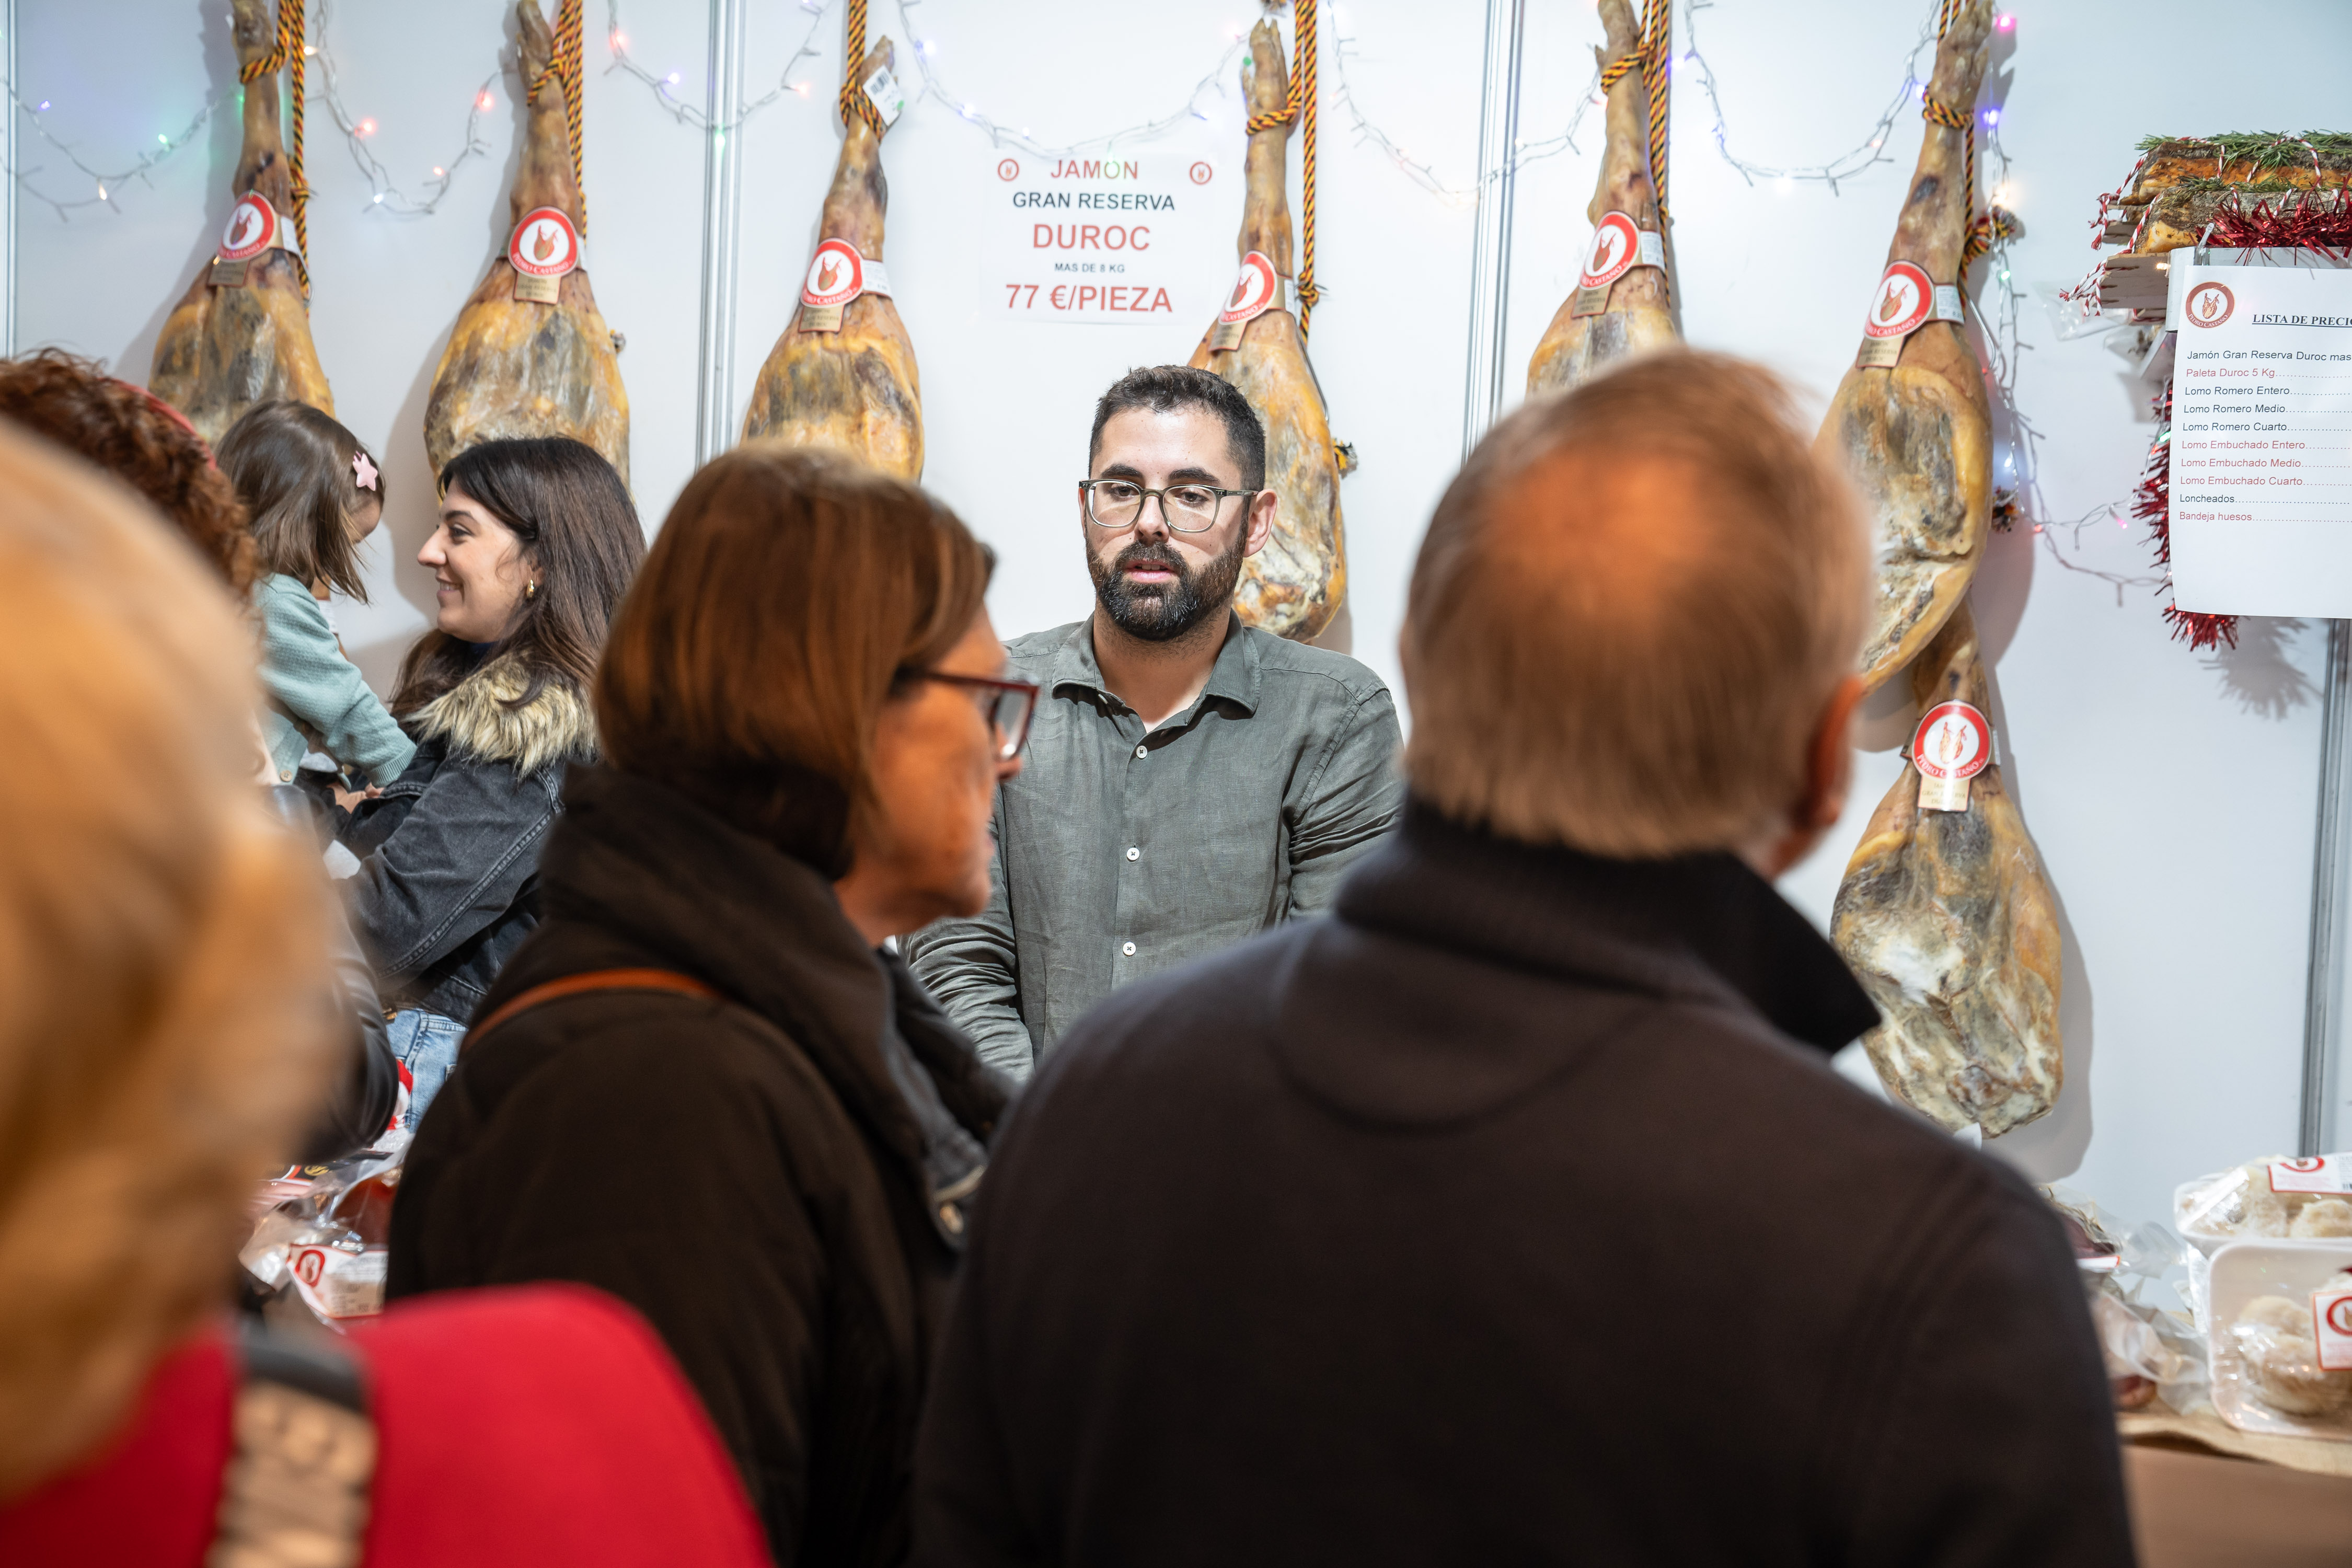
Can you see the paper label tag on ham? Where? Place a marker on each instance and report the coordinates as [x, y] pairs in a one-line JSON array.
[[2331, 1323], [1617, 247], [1906, 301], [544, 246], [888, 99], [1951, 746], [837, 275], [2329, 1174], [1256, 291], [254, 227]]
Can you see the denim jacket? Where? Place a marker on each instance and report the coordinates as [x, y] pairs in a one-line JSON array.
[[448, 880]]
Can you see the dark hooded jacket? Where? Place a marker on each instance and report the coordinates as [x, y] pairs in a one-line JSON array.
[[776, 1180], [1512, 1213], [448, 885]]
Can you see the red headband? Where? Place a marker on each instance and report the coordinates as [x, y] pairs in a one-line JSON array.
[[174, 415]]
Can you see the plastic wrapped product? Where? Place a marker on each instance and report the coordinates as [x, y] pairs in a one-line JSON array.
[[325, 1238], [2137, 1283], [2277, 1346], [2268, 1197]]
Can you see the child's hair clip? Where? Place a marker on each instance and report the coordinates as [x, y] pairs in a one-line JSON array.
[[363, 471]]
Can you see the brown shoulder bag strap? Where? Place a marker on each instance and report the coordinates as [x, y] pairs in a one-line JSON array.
[[594, 980]]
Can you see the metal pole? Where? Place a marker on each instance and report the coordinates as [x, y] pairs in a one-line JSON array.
[[9, 208], [2325, 979], [1490, 246], [722, 185]]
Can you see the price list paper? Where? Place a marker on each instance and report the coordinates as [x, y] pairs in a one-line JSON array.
[[2261, 442]]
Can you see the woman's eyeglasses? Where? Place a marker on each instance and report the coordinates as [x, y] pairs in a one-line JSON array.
[[1008, 705]]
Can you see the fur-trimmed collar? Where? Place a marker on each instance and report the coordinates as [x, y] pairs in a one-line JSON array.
[[474, 718]]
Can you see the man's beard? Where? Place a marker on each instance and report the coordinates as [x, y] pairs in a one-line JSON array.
[[1162, 612]]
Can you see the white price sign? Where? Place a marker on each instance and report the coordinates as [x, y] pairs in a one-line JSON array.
[[2262, 441], [1139, 239]]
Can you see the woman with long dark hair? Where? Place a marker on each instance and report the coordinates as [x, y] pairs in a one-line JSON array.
[[536, 544]]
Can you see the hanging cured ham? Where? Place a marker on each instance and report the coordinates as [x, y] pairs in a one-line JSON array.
[[1296, 583], [530, 354], [843, 375], [241, 335], [1623, 303], [1911, 420], [1947, 917]]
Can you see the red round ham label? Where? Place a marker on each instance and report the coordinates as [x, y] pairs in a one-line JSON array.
[[837, 275], [1253, 291], [2210, 304], [2339, 1314], [1904, 300], [252, 227], [1953, 741], [1616, 245], [545, 245]]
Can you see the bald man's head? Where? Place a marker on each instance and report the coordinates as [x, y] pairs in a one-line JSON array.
[[1630, 610]]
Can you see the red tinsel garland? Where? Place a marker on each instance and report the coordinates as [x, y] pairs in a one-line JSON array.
[[2309, 220]]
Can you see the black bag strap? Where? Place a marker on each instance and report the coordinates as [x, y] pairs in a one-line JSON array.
[[302, 1460]]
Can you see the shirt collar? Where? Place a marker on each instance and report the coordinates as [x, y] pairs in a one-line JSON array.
[[1234, 677]]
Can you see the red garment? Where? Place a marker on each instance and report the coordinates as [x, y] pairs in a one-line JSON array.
[[543, 1424]]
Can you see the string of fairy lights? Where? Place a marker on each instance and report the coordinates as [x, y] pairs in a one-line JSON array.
[[665, 83], [359, 130]]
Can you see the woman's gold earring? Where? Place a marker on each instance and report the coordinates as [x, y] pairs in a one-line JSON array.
[[529, 590]]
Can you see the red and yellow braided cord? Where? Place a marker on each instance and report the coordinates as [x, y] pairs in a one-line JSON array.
[[1300, 97], [564, 69], [286, 54], [1652, 55], [1993, 224], [855, 104]]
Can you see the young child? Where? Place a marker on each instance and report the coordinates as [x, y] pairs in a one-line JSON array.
[[313, 493]]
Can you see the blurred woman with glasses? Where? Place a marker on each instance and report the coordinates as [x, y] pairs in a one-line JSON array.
[[702, 1083]]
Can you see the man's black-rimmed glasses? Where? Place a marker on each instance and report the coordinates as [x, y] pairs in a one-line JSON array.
[[1189, 509]]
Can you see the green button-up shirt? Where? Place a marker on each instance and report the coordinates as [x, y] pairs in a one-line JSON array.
[[1122, 852]]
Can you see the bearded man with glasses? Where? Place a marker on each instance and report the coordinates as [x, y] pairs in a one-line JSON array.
[[1190, 781]]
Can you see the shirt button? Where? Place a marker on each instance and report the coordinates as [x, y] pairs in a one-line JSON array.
[[1135, 854], [1128, 947], [1142, 751]]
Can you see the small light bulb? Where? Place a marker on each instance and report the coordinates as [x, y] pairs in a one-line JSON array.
[[620, 40], [44, 108], [101, 190], [438, 172], [166, 140], [673, 78], [2004, 21], [484, 101], [379, 196], [1992, 117], [367, 126]]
